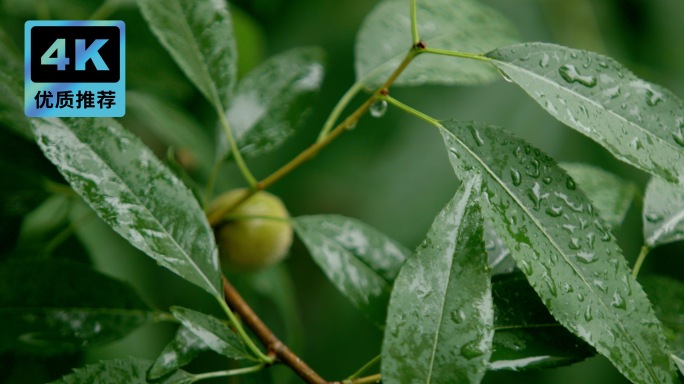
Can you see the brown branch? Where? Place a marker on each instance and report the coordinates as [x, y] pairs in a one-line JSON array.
[[275, 347]]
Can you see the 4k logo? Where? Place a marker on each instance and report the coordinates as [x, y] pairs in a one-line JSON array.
[[74, 68]]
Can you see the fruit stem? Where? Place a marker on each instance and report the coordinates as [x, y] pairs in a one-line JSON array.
[[241, 331]]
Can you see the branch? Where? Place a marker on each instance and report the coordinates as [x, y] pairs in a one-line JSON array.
[[275, 347]]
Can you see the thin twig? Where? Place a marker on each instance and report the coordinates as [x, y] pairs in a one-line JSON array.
[[275, 347]]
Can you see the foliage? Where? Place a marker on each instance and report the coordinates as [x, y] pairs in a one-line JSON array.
[[523, 268]]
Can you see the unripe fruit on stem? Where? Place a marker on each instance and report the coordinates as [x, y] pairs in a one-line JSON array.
[[252, 236]]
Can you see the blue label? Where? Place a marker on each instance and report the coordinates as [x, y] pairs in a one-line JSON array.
[[75, 68]]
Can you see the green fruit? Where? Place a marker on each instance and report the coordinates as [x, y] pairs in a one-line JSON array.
[[252, 235]]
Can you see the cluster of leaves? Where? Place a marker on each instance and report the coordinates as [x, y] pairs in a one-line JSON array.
[[519, 270]]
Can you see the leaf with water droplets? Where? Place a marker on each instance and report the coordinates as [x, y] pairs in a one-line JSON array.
[[129, 371], [360, 261], [526, 335], [184, 347], [214, 333], [467, 26], [272, 100], [564, 247], [199, 37], [667, 296], [663, 213], [638, 122], [610, 194], [51, 306], [439, 322], [134, 193]]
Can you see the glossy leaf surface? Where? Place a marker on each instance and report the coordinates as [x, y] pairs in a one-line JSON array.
[[610, 194], [130, 371], [663, 212], [638, 122], [214, 333], [184, 347], [526, 335], [667, 296], [52, 306], [360, 261], [468, 26], [273, 99], [439, 321], [199, 37], [134, 193], [566, 250]]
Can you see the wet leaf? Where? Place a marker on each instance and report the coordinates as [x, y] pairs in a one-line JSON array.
[[384, 39], [360, 261], [130, 371], [526, 335], [439, 321], [129, 188], [610, 194], [213, 332], [184, 347], [173, 126], [273, 99], [199, 37], [663, 212], [667, 296], [638, 122], [51, 306], [566, 250]]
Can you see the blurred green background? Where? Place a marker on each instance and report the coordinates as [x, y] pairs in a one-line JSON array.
[[391, 173]]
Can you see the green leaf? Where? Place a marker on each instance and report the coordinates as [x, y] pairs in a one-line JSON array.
[[273, 99], [12, 88], [663, 212], [439, 321], [384, 39], [199, 37], [184, 347], [173, 126], [638, 122], [526, 335], [53, 306], [360, 261], [566, 250], [667, 296], [129, 188], [129, 371], [214, 333], [610, 194]]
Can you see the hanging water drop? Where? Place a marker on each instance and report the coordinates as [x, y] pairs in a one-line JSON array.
[[569, 73], [516, 177], [378, 109], [505, 76]]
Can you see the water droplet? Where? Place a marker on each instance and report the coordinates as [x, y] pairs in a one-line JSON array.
[[378, 109], [574, 243], [603, 64], [653, 97], [636, 144], [569, 73], [586, 257], [580, 297], [618, 301], [567, 288], [472, 350], [516, 177], [554, 211], [612, 92], [552, 285], [547, 180], [525, 267], [544, 62], [476, 136], [458, 316], [588, 316], [534, 170], [653, 218], [505, 76], [352, 125], [601, 285], [536, 196], [570, 184]]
